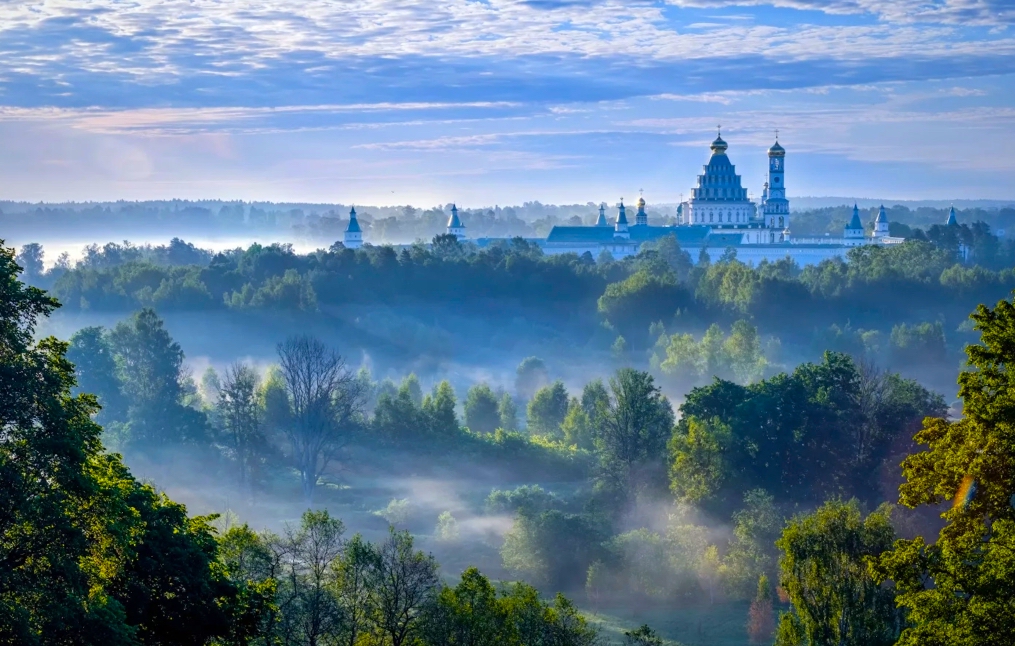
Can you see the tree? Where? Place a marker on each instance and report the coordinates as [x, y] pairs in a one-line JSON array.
[[353, 570], [95, 365], [439, 410], [577, 427], [642, 636], [508, 413], [761, 616], [547, 409], [824, 571], [481, 409], [751, 551], [150, 369], [469, 614], [633, 431], [310, 612], [531, 375], [31, 261], [405, 583], [241, 416], [958, 590], [88, 555], [324, 400]]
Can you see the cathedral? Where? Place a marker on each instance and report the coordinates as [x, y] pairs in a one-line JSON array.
[[718, 216]]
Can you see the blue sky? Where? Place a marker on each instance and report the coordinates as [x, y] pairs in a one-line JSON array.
[[501, 101]]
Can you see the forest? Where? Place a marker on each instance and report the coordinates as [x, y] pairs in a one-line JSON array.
[[441, 444]]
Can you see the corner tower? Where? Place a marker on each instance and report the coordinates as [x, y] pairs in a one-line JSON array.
[[353, 238], [775, 206], [455, 226], [853, 231]]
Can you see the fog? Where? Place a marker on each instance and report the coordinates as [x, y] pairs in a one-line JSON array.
[[529, 501]]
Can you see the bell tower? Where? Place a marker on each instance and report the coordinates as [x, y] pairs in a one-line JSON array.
[[776, 207]]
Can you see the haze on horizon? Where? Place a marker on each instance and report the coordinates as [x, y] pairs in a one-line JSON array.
[[385, 102]]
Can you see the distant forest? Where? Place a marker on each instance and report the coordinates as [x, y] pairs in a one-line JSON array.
[[324, 223]]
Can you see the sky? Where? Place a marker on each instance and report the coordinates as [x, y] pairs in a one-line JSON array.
[[485, 102]]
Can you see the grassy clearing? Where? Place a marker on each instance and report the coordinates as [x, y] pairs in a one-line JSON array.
[[699, 625]]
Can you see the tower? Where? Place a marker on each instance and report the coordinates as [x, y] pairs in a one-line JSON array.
[[952, 220], [853, 232], [620, 229], [641, 219], [353, 238], [881, 224], [774, 205], [601, 222], [455, 226]]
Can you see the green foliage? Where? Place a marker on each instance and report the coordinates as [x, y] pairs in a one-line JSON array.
[[634, 425], [85, 549], [552, 548], [526, 499], [918, 345], [482, 414], [447, 528], [738, 356], [474, 614], [547, 410], [531, 375], [642, 636], [150, 369], [957, 590], [818, 432], [439, 409], [641, 297], [507, 411], [824, 571], [94, 362]]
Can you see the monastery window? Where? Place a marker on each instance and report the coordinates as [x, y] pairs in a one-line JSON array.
[[780, 221], [709, 217]]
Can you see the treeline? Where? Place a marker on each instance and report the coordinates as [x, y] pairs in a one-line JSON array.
[[875, 289]]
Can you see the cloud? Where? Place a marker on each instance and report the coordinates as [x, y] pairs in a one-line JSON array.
[[276, 52], [965, 12]]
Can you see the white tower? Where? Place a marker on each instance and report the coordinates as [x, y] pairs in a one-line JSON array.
[[881, 224], [620, 229], [853, 232], [353, 238], [601, 222], [775, 206], [455, 226]]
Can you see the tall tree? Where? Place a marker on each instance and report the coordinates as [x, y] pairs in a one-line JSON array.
[[439, 409], [959, 589], [325, 399], [405, 583], [241, 416], [825, 573], [633, 430], [547, 410], [507, 410], [150, 368], [481, 409], [31, 260], [95, 363]]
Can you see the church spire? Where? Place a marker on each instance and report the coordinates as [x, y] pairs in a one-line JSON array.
[[601, 222], [952, 220]]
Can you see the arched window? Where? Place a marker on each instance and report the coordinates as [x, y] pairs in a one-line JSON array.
[[780, 222], [710, 217]]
